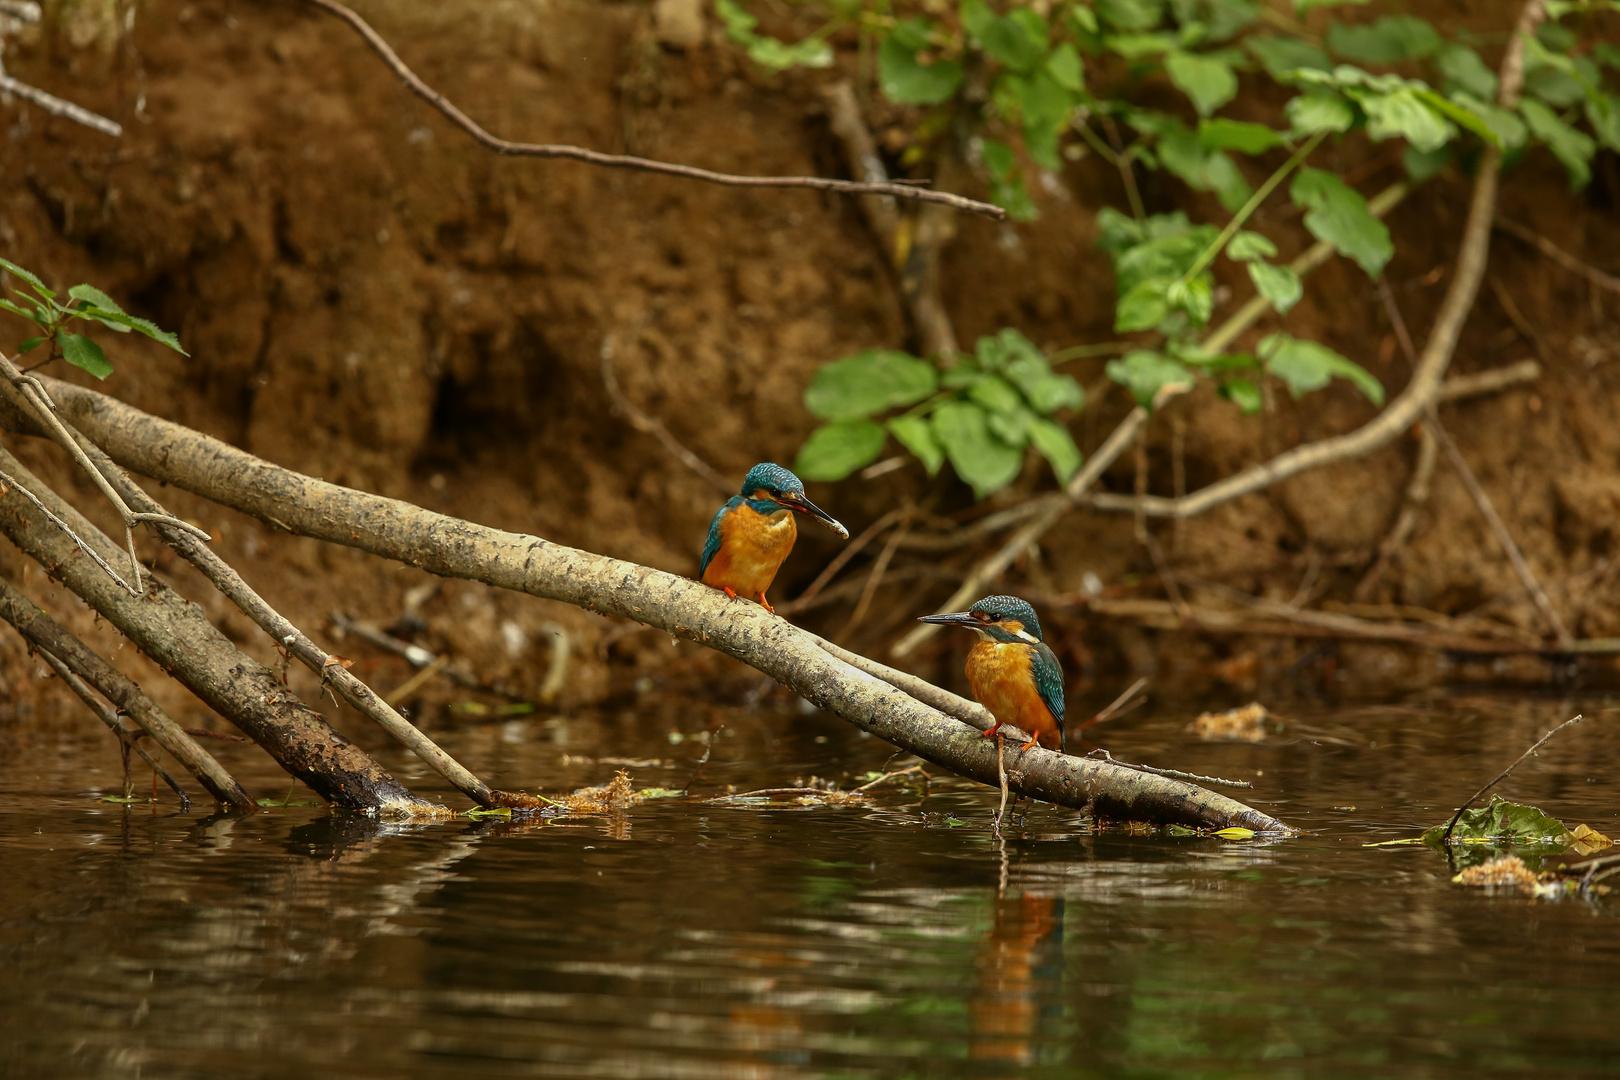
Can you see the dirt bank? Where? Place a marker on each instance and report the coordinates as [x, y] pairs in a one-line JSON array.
[[368, 297]]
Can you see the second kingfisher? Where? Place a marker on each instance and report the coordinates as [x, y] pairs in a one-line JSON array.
[[1012, 671], [754, 531]]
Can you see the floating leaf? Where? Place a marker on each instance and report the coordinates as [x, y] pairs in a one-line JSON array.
[[1308, 365], [1505, 822], [917, 435], [1338, 214], [835, 450], [1278, 284], [868, 383], [1144, 372], [81, 352], [1208, 82], [1234, 832], [979, 458], [1057, 446]]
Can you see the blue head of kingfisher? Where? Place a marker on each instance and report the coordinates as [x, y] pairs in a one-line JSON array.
[[753, 532], [1011, 670]]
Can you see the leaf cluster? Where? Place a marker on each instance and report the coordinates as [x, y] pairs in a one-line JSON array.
[[52, 318], [980, 413]]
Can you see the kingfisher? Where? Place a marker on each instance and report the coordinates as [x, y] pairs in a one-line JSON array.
[[1012, 671], [751, 535]]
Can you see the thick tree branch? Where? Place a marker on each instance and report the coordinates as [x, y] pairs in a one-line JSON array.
[[178, 636], [455, 548], [49, 636], [620, 161]]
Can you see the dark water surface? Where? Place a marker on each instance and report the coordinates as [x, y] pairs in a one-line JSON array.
[[899, 939]]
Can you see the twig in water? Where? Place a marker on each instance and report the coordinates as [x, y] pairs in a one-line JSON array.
[[1503, 775], [1001, 775], [58, 107], [619, 161], [1174, 773], [917, 768], [1119, 706], [650, 425], [129, 739]]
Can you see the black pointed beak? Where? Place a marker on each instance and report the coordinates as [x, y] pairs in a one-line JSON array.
[[805, 506], [952, 618]]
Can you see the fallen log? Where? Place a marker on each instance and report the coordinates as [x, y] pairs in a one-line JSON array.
[[451, 547]]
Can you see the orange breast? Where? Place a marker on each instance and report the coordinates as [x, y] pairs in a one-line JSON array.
[[752, 547], [1001, 679]]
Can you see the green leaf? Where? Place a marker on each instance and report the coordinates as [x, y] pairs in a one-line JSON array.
[[1063, 64], [1507, 129], [1136, 46], [1281, 56], [1242, 393], [768, 52], [1507, 822], [1144, 307], [1573, 148], [1421, 166], [1603, 113], [1319, 109], [1012, 427], [1406, 114], [1085, 20], [156, 333], [996, 352], [81, 352], [31, 316], [1248, 245], [917, 435], [1045, 390], [1005, 40], [868, 383], [96, 298], [1226, 181], [1236, 135], [27, 345], [1164, 256], [1130, 14], [835, 450], [1307, 365], [28, 276], [908, 82], [1057, 446], [1337, 213], [976, 16], [1144, 372], [979, 458], [1461, 69], [1195, 297], [1305, 7], [1278, 284], [1465, 118], [1209, 83], [1045, 107], [1183, 154], [1388, 41], [996, 395], [1117, 231]]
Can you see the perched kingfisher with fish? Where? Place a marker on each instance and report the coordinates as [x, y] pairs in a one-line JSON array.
[[751, 535], [1013, 672]]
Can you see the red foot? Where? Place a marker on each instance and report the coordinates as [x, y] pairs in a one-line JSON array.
[[993, 729], [729, 591], [764, 603], [1034, 741]]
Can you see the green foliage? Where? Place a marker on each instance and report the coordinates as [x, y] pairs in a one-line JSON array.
[[979, 414], [1026, 88], [46, 311]]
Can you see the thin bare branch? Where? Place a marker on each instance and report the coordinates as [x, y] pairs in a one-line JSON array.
[[1196, 778], [620, 161], [58, 107], [1503, 775], [105, 714], [650, 425], [1558, 254]]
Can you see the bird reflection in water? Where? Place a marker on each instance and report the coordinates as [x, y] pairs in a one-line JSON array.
[[1019, 975]]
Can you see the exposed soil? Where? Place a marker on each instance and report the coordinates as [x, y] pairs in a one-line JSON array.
[[369, 297]]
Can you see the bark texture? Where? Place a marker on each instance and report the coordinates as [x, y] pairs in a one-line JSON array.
[[455, 548], [177, 634]]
